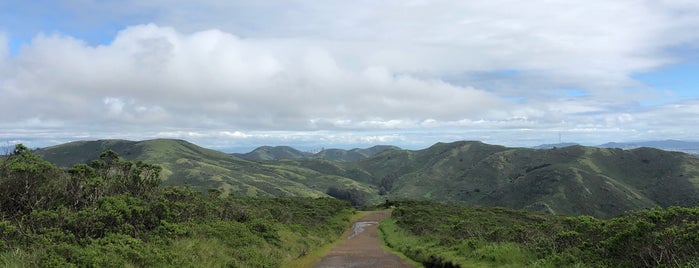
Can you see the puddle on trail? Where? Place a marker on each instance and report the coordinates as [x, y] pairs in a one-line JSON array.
[[359, 226]]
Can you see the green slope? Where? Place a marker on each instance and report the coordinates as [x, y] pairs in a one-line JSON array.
[[187, 164], [352, 155], [572, 180], [340, 155], [274, 153]]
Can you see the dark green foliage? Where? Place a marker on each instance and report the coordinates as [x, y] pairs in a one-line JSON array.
[[121, 176], [113, 213], [27, 182], [649, 238], [354, 196], [386, 184], [654, 237]]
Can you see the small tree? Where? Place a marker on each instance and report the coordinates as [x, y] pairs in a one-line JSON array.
[[27, 182]]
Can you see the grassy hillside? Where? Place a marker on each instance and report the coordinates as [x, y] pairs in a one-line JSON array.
[[187, 164], [340, 155], [352, 155], [274, 153], [574, 180]]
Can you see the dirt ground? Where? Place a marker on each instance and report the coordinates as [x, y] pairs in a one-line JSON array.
[[362, 248]]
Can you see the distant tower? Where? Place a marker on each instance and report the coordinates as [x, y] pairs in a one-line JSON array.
[[559, 138]]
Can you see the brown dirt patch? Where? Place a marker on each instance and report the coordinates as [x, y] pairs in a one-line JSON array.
[[362, 248]]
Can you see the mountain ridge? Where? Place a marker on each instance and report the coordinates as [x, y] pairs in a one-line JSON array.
[[287, 152], [185, 163], [571, 180]]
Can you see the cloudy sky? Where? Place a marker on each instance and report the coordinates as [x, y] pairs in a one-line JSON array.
[[234, 75]]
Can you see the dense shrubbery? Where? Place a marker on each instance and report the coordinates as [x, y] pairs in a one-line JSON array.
[[444, 235], [113, 213], [356, 197]]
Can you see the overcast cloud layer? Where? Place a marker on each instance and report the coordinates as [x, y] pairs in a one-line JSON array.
[[310, 73]]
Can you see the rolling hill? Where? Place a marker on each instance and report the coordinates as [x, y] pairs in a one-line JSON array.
[[187, 164], [286, 152], [274, 153], [572, 180]]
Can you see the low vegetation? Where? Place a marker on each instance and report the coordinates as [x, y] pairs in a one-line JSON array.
[[114, 213], [440, 235]]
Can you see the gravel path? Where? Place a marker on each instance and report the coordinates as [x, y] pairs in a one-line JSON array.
[[362, 248]]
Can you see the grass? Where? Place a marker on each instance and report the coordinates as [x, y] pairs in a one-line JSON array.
[[17, 258], [468, 253], [417, 250], [391, 237], [444, 235]]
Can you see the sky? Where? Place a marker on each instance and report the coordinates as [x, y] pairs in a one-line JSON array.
[[234, 75]]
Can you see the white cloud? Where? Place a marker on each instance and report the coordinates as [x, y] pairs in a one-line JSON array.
[[594, 43], [236, 68], [114, 106], [216, 78]]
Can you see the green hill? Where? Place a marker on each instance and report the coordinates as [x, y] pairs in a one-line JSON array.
[[352, 155], [274, 153], [573, 180], [187, 164], [286, 152]]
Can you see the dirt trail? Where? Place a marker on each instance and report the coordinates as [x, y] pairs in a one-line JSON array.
[[362, 248]]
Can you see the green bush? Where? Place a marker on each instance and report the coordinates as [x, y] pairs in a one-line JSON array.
[[113, 213], [503, 237]]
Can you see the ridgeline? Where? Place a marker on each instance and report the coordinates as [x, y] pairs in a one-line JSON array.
[[574, 180]]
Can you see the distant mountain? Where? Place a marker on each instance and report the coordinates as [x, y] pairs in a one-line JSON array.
[[274, 153], [187, 164], [555, 145], [571, 180], [286, 152], [668, 145], [352, 155]]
